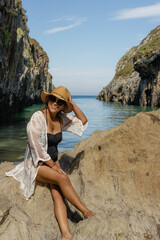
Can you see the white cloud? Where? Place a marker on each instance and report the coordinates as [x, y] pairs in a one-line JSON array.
[[59, 29], [140, 12], [87, 81], [56, 20], [77, 22], [70, 18], [62, 19]]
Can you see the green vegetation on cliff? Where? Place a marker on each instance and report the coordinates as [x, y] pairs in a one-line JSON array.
[[6, 37], [13, 11], [20, 33], [147, 47], [126, 71]]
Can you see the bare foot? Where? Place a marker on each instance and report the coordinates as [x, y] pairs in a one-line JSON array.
[[67, 237], [89, 214]]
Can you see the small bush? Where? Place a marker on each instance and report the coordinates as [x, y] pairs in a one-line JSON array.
[[31, 62], [20, 33], [13, 12], [6, 36], [126, 71]]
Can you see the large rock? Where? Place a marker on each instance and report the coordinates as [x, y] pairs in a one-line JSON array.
[[23, 62], [115, 172], [137, 77]]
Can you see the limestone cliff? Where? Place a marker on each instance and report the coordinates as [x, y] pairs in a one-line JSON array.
[[23, 63], [115, 172], [137, 77]]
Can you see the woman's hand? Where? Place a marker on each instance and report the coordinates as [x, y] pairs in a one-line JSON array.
[[70, 99], [58, 169], [78, 112]]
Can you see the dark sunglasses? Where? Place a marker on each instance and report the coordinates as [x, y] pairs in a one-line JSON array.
[[57, 100]]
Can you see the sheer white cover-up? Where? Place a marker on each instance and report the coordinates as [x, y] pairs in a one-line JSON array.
[[36, 150]]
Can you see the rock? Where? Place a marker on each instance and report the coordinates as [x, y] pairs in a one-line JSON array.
[[23, 62], [2, 3], [137, 75], [116, 174]]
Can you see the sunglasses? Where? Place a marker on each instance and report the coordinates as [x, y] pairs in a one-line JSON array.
[[57, 100]]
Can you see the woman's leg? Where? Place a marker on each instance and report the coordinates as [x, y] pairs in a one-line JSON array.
[[49, 175], [60, 211]]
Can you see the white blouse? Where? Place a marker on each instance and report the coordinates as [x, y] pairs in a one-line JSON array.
[[36, 151]]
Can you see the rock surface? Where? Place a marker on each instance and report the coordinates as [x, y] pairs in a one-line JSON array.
[[137, 78], [115, 172], [23, 63]]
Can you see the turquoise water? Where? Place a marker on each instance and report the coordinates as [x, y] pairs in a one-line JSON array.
[[101, 115]]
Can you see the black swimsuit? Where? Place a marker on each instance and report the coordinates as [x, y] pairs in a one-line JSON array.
[[53, 140]]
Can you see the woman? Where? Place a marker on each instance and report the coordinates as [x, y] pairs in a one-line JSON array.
[[44, 132]]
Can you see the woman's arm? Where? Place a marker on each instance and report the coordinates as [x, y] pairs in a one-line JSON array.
[[79, 114], [50, 163], [34, 131]]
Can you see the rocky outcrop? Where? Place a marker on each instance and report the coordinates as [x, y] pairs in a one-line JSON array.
[[137, 78], [116, 174], [23, 63]]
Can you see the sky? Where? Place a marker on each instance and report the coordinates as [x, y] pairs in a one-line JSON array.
[[84, 39]]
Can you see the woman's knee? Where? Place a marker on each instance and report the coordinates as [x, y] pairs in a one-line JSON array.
[[63, 179]]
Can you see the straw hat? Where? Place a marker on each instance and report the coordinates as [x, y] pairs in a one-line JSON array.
[[61, 93]]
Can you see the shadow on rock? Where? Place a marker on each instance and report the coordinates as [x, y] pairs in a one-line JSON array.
[[74, 217], [69, 163]]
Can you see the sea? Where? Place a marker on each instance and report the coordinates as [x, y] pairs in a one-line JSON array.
[[101, 116]]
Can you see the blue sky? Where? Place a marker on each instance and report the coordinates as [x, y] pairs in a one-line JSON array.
[[85, 39]]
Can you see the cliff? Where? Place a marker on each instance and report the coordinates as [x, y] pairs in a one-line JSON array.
[[115, 172], [137, 77], [23, 63]]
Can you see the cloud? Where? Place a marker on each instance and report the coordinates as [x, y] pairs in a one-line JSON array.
[[56, 20], [70, 18], [77, 22], [82, 80], [140, 12], [62, 19], [59, 29]]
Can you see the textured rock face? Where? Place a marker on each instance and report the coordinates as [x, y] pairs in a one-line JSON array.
[[137, 78], [115, 172], [23, 63]]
